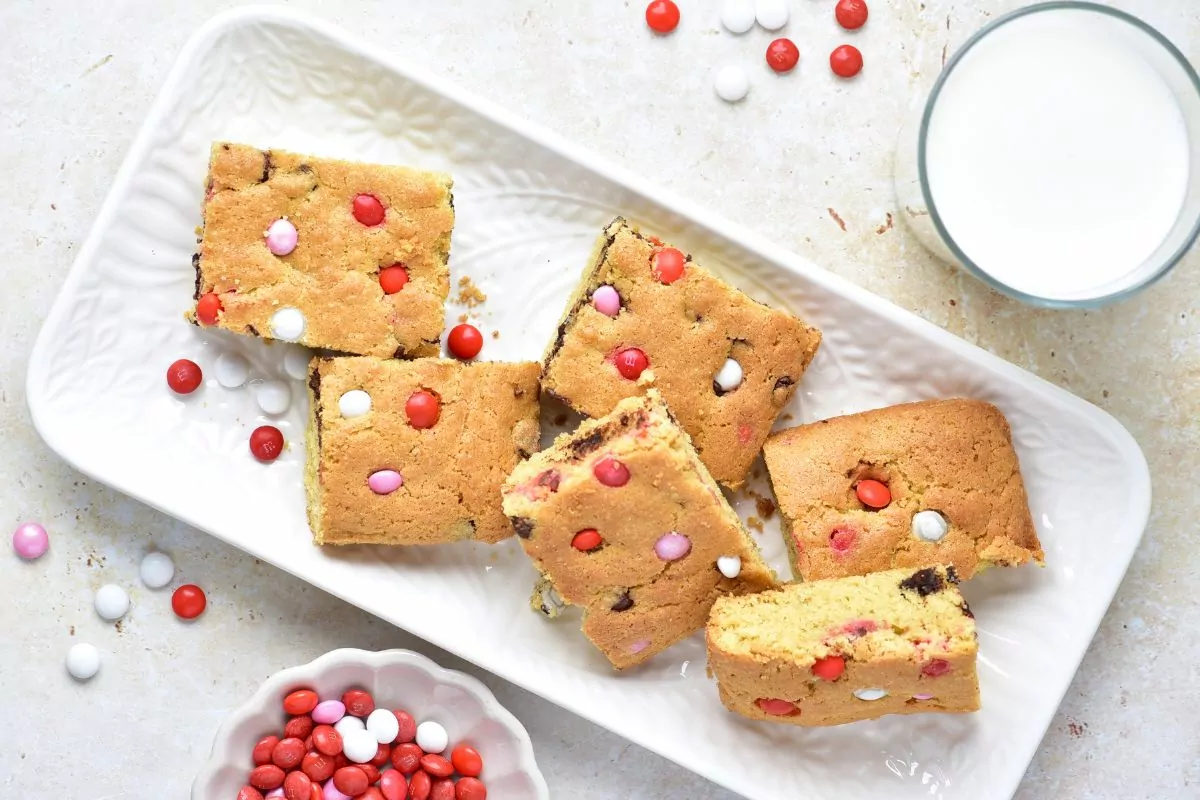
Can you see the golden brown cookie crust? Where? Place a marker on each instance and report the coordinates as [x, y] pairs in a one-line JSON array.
[[452, 471], [951, 456], [332, 276], [906, 632], [635, 604], [687, 329]]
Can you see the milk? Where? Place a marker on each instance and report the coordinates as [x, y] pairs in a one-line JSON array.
[[1057, 156]]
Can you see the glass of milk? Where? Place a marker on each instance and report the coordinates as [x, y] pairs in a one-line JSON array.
[[1058, 156]]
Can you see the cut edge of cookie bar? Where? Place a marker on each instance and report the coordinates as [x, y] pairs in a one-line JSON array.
[[425, 347], [473, 523], [847, 649], [572, 447], [1003, 551], [785, 387]]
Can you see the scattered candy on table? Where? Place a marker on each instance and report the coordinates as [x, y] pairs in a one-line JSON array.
[[231, 370], [184, 376], [83, 661], [157, 570], [465, 341], [731, 83], [771, 14], [851, 14], [30, 541], [266, 443], [662, 16], [112, 602], [295, 362], [273, 397], [783, 55], [321, 767], [737, 16], [189, 602], [846, 61]]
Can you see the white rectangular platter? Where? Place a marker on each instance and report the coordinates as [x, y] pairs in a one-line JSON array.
[[529, 206]]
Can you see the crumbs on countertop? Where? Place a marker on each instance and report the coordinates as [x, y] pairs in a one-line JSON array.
[[469, 294]]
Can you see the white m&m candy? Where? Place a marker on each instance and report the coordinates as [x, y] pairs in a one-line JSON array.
[[729, 376], [870, 694], [273, 397], [354, 403], [771, 14], [929, 526], [737, 16], [432, 737], [383, 725], [731, 83], [359, 745], [288, 324], [232, 370], [157, 570], [347, 724], [112, 602], [83, 661], [730, 566], [295, 362]]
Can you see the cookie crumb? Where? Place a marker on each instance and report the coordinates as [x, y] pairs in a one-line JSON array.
[[462, 318], [469, 294], [560, 419], [495, 334], [765, 507], [841, 223], [787, 417], [755, 523], [72, 629]]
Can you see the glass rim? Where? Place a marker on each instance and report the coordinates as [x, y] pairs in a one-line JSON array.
[[923, 178]]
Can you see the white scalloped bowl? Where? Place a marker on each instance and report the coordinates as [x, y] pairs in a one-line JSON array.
[[396, 679]]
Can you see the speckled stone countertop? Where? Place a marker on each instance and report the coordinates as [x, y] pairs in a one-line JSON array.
[[804, 159]]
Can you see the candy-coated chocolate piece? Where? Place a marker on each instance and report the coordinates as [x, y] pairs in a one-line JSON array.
[[728, 377], [328, 712], [606, 300], [731, 83], [873, 494], [266, 443], [354, 403], [112, 602], [83, 661], [432, 737], [672, 546], [208, 307], [359, 746], [184, 376], [385, 481], [771, 14], [662, 16], [157, 569], [368, 210], [870, 694], [929, 526], [586, 540], [301, 701], [846, 61], [464, 342], [829, 668], [851, 14], [668, 265], [392, 279], [631, 362], [30, 541], [776, 707], [282, 237], [783, 55], [273, 397], [467, 761], [423, 409], [189, 601], [288, 324], [611, 472], [730, 566], [382, 724], [737, 16], [231, 370]]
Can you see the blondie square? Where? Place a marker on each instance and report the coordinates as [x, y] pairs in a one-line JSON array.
[[645, 315], [331, 254], [923, 483], [414, 452], [623, 519], [846, 649]]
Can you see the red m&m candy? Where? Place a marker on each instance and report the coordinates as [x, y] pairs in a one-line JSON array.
[[611, 472], [586, 540], [392, 279], [423, 408], [662, 16], [668, 265], [851, 14], [465, 341], [631, 362], [873, 494], [776, 707], [783, 55], [207, 308], [266, 443], [470, 788], [184, 376], [846, 61], [189, 602], [368, 210], [467, 761], [829, 668]]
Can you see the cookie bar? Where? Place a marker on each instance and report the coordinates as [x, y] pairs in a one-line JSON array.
[[922, 483], [414, 452], [623, 519], [646, 315], [847, 649], [331, 254]]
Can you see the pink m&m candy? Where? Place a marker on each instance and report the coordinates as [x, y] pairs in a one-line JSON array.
[[328, 712], [672, 546], [282, 237], [639, 646], [30, 540], [385, 481], [606, 300]]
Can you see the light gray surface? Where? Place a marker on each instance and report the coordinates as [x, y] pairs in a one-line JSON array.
[[75, 84]]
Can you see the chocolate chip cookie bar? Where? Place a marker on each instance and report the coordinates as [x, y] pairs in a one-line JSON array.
[[847, 649], [645, 315], [923, 483], [331, 254], [623, 520], [414, 452]]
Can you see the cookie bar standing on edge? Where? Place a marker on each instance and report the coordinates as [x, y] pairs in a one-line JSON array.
[[935, 482], [848, 649], [646, 315], [331, 254], [414, 452], [624, 520]]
